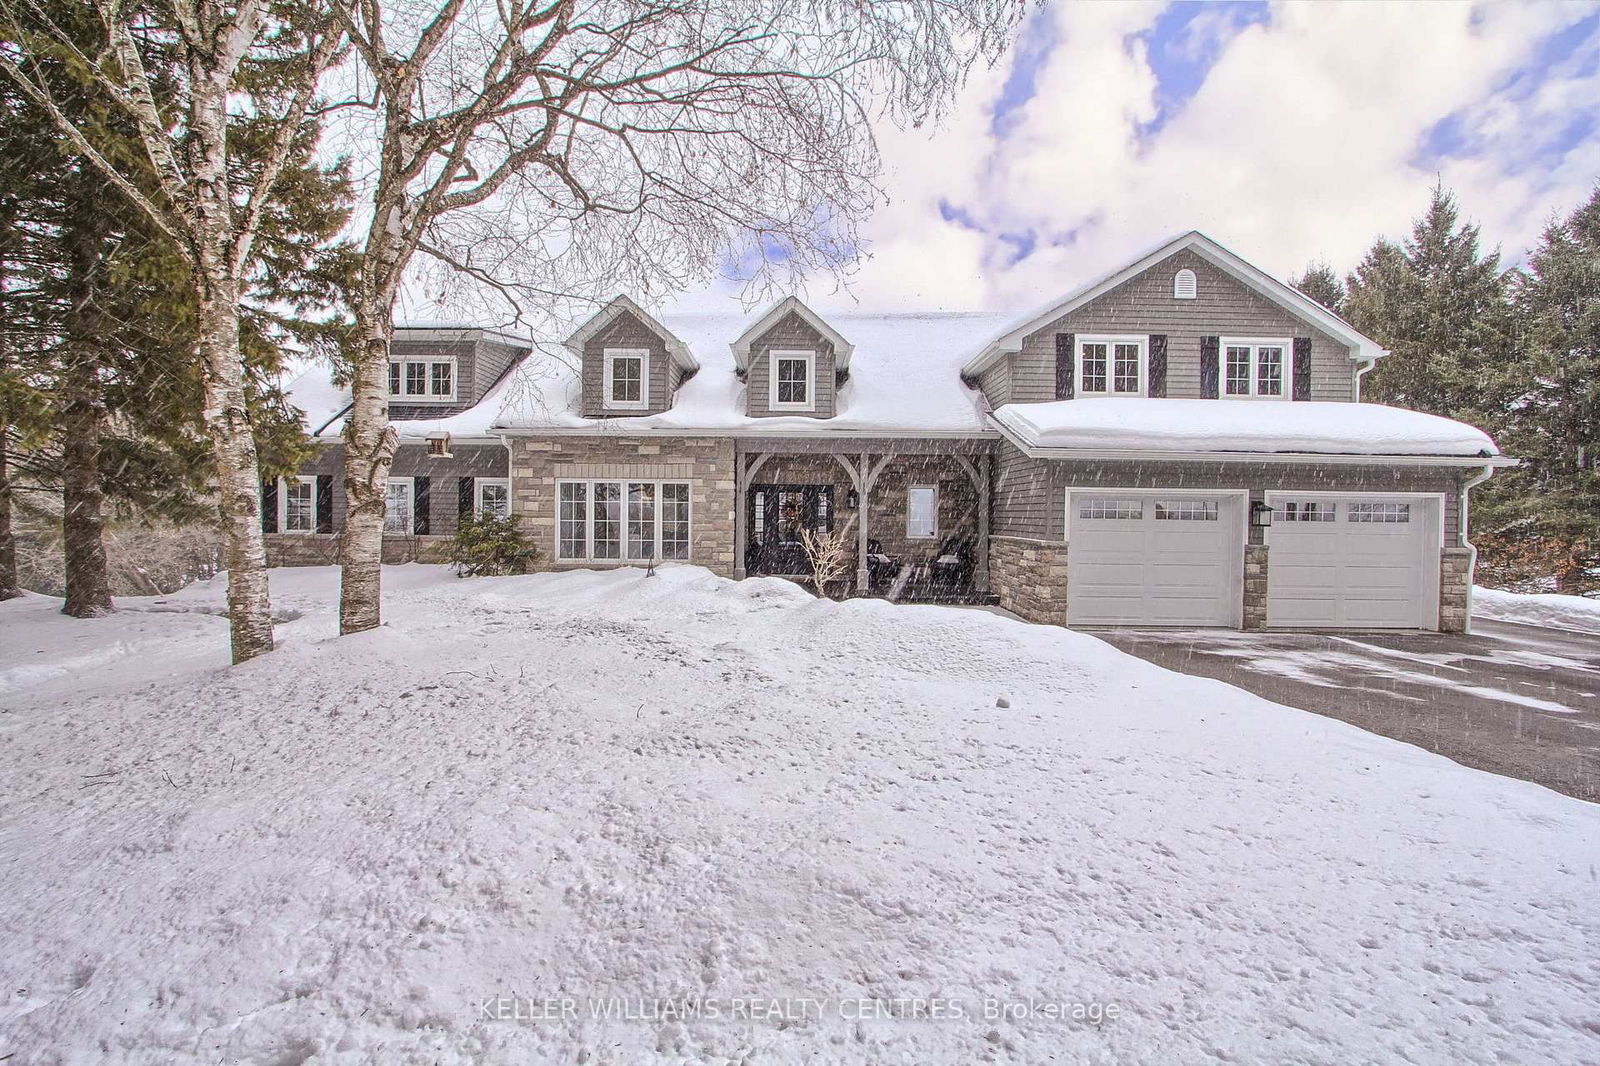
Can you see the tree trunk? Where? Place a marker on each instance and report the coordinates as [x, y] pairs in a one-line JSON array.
[[369, 453], [81, 424], [82, 421], [238, 477], [8, 540]]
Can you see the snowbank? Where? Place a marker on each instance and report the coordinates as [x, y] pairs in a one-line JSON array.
[[1134, 424], [1576, 613], [615, 787]]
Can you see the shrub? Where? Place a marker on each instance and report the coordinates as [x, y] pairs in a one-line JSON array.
[[486, 545]]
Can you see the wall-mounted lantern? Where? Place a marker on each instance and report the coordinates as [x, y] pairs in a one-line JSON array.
[[851, 499], [1260, 515]]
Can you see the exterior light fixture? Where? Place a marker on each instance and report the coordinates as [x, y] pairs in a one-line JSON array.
[[1260, 515], [851, 499]]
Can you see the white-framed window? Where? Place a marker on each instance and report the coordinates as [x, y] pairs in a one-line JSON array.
[[492, 496], [922, 512], [399, 514], [430, 380], [631, 521], [1110, 366], [1184, 286], [1383, 513], [790, 384], [627, 379], [1305, 511], [1186, 510], [297, 505], [1105, 508], [1255, 368]]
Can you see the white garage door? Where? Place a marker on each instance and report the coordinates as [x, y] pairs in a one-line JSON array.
[[1161, 559], [1361, 563]]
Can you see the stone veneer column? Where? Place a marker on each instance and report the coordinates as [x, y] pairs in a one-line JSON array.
[[1255, 586], [1455, 585], [1030, 578]]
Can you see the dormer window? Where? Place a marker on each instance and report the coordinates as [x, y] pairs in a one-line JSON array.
[[791, 380], [422, 380], [1183, 285], [627, 377], [1111, 366]]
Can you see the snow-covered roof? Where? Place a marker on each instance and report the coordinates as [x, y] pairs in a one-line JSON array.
[[1186, 427], [841, 347], [905, 380], [317, 397], [1364, 348]]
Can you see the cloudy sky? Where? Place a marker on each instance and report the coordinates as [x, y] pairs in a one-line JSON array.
[[1290, 132]]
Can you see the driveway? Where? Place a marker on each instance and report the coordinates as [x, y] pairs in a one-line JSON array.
[[1511, 699]]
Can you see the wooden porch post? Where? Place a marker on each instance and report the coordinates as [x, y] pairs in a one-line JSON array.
[[980, 576], [863, 496], [745, 469]]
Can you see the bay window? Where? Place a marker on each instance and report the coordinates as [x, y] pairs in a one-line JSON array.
[[625, 521]]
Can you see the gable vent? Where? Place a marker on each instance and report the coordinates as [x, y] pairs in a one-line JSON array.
[[1183, 285]]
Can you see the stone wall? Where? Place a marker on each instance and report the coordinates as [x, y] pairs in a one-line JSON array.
[[1030, 578], [322, 549], [1455, 583], [706, 463], [1255, 586]]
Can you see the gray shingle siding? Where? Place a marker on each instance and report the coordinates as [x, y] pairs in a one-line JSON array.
[[1030, 494], [791, 331], [1144, 304], [480, 362], [414, 460], [625, 331]]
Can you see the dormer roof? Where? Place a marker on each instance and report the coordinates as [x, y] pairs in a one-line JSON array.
[[775, 314], [676, 349]]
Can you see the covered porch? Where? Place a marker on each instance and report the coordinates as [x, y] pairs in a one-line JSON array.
[[914, 513]]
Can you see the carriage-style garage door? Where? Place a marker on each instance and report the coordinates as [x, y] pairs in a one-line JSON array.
[[1154, 559], [1369, 562]]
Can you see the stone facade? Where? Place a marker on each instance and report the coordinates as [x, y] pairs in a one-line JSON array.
[[1030, 578], [1455, 585], [1255, 586], [322, 549], [706, 463]]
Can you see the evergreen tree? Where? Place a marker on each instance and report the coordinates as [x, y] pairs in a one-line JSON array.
[[1323, 285], [1547, 512], [1441, 309]]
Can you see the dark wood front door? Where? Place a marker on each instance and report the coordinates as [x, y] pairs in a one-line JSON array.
[[777, 514]]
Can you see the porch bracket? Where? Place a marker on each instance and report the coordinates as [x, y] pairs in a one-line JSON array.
[[744, 477]]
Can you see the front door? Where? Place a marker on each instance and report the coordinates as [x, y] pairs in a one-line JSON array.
[[777, 514]]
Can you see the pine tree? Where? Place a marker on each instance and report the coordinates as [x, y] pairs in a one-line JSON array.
[[1323, 285], [1548, 511], [1441, 309]]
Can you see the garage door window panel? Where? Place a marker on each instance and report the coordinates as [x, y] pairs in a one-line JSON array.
[[1101, 508]]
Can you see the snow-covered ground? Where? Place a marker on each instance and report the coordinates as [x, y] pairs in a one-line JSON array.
[[1576, 613], [613, 787]]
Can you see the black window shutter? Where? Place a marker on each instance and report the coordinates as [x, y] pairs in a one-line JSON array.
[[324, 503], [1210, 373], [1302, 368], [1065, 348], [269, 507], [419, 506], [463, 496], [1158, 365]]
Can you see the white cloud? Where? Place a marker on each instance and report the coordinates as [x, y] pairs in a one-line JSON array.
[[1301, 143]]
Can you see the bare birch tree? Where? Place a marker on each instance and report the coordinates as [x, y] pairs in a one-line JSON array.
[[195, 189], [564, 149]]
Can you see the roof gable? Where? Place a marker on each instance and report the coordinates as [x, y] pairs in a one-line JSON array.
[[676, 349], [1291, 299], [775, 314]]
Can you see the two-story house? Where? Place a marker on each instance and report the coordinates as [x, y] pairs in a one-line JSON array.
[[1179, 443]]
